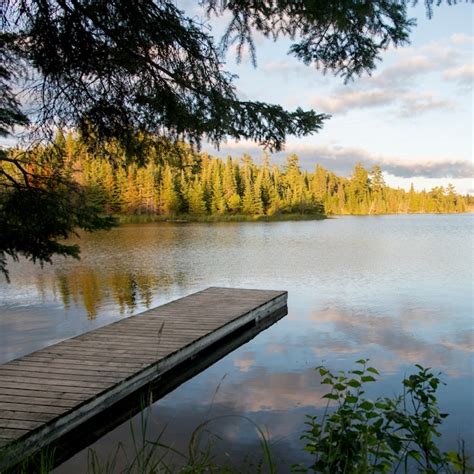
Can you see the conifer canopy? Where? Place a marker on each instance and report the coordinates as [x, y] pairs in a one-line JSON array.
[[118, 69]]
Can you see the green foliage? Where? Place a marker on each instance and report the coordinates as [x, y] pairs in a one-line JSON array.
[[10, 109], [359, 436], [49, 191], [325, 34], [113, 68], [36, 215], [383, 435], [141, 71], [206, 186]]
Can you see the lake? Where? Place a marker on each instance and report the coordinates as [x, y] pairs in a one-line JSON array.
[[395, 289]]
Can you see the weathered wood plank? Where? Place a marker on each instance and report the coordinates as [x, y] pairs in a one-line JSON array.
[[30, 399], [29, 391], [51, 388], [81, 361], [45, 409], [20, 415], [120, 347], [45, 394], [65, 370], [11, 371], [101, 356], [47, 382], [19, 424], [63, 367]]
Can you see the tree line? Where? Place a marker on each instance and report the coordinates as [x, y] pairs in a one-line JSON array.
[[164, 179]]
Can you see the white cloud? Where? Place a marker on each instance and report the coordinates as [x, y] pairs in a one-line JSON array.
[[278, 67], [413, 62], [245, 362], [396, 84], [416, 104], [409, 103], [461, 39], [462, 185], [344, 100], [341, 160], [463, 73], [405, 69]]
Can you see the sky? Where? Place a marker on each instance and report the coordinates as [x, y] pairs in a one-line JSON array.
[[413, 116]]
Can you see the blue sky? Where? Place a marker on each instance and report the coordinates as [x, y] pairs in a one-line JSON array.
[[413, 116]]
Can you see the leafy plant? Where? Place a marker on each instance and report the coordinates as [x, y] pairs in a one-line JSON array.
[[385, 435]]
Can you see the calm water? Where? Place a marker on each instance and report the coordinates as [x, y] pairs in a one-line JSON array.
[[397, 289]]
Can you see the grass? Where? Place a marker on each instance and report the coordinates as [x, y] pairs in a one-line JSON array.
[[357, 435], [153, 456], [186, 218]]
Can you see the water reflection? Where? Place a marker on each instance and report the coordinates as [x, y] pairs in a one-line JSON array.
[[90, 288], [397, 289], [398, 341]]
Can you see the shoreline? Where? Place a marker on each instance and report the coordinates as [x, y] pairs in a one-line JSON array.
[[209, 219]]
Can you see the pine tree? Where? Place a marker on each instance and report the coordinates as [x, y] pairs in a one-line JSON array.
[[217, 201], [229, 181], [377, 187], [248, 200], [205, 184], [197, 205], [169, 199], [359, 190], [131, 196], [258, 205]]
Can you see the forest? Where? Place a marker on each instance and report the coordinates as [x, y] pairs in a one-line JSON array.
[[159, 178]]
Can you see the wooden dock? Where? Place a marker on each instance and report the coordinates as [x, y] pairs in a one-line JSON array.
[[46, 394]]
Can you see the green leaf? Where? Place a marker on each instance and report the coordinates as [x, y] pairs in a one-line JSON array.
[[378, 423], [366, 405], [362, 361], [373, 370], [367, 378], [331, 396], [351, 399], [354, 383], [414, 454]]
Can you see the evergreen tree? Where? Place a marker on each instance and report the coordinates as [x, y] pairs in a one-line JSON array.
[[248, 201], [125, 70], [212, 186], [218, 205], [169, 199], [377, 187], [197, 205], [358, 192]]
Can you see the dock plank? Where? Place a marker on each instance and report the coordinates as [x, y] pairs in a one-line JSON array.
[[61, 368], [32, 408], [46, 394]]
